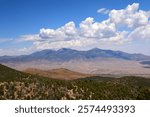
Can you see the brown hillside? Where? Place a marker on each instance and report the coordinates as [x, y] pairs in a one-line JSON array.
[[60, 73]]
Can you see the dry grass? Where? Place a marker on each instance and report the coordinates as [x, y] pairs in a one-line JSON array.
[[61, 73]]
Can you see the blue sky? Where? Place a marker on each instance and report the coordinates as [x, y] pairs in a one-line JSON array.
[[31, 25]]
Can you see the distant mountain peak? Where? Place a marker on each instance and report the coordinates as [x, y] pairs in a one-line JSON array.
[[65, 49], [95, 49]]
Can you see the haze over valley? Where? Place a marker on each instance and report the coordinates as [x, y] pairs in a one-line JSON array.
[[95, 61]]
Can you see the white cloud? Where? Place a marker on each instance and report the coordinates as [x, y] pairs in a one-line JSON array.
[[17, 51], [120, 27], [10, 52], [64, 44], [142, 32], [91, 29], [34, 37], [103, 11], [130, 17], [65, 32], [3, 40]]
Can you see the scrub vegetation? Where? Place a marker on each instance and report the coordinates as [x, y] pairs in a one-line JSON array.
[[18, 85]]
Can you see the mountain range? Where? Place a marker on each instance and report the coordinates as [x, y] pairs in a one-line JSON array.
[[66, 54], [94, 61]]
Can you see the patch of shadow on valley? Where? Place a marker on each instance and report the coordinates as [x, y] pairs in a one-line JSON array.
[[145, 62], [147, 67]]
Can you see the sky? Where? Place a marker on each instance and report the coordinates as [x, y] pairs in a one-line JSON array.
[[27, 26]]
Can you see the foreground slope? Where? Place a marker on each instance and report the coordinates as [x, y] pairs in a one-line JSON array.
[[60, 73], [19, 85]]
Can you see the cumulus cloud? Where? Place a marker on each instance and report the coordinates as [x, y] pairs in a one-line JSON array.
[[34, 37], [130, 17], [120, 27], [76, 44], [103, 11], [142, 32], [66, 32], [97, 30]]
